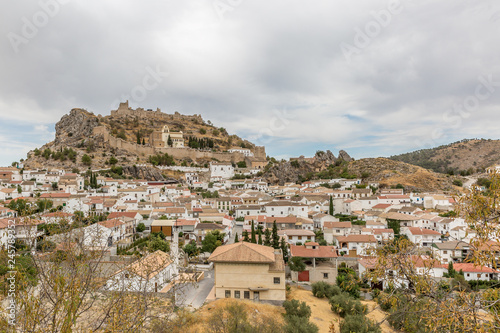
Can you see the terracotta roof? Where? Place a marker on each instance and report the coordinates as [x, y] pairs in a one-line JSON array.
[[209, 226], [243, 252], [122, 214], [423, 231], [470, 267], [295, 232], [357, 239], [148, 267], [332, 225], [111, 223], [318, 252], [55, 195]]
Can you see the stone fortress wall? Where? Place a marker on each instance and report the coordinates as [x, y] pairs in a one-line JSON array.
[[178, 153]]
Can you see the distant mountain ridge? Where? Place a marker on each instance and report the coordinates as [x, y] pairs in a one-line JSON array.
[[464, 157]]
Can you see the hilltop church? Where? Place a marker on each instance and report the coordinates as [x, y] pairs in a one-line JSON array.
[[166, 138]]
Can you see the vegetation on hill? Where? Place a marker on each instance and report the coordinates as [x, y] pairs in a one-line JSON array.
[[463, 157]]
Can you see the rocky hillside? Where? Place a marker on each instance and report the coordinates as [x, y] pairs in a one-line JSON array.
[[382, 170], [301, 169], [390, 173], [74, 138], [464, 157]]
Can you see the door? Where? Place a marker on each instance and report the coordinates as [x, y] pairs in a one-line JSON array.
[[304, 276], [256, 296]]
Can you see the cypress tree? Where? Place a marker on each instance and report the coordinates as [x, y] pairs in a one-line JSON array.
[[267, 237], [245, 236], [260, 237], [143, 142], [276, 238], [284, 249], [253, 239], [236, 238], [330, 211]]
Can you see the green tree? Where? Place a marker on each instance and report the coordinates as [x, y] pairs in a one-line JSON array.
[[245, 236], [140, 227], [212, 240], [296, 264], [284, 249], [19, 189], [86, 159], [191, 249], [331, 210], [267, 237], [112, 160], [236, 238], [43, 205], [276, 238], [253, 239], [156, 243], [169, 141], [259, 233]]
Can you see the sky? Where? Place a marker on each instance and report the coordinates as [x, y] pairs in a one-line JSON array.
[[374, 78]]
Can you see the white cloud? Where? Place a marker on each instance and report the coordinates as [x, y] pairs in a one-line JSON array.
[[262, 57]]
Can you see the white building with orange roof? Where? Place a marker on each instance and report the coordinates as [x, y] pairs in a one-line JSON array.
[[148, 274]]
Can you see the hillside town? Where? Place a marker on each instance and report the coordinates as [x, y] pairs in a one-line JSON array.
[[325, 223]]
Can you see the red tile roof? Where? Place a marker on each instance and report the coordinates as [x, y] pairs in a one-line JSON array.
[[318, 252]]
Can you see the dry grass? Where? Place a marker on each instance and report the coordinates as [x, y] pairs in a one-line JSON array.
[[323, 316], [254, 311]]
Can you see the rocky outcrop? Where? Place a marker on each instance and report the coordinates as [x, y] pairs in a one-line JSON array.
[[74, 127], [343, 155], [142, 172]]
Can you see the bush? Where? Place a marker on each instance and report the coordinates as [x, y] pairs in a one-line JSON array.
[[358, 324], [203, 131], [297, 317], [296, 324], [458, 182], [344, 305], [323, 289], [297, 308]]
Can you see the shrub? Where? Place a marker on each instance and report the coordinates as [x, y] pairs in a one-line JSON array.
[[296, 324], [358, 324], [323, 289], [297, 308], [458, 182], [203, 131], [345, 305]]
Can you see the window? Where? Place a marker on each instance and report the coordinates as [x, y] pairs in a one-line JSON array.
[[478, 276], [468, 274], [276, 280], [325, 275], [246, 294], [445, 252], [228, 293], [299, 237], [236, 294]]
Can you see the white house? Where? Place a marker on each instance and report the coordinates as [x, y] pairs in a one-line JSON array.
[[294, 236], [148, 274], [221, 170], [421, 236]]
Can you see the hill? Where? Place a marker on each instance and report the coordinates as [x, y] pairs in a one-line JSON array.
[[462, 157], [129, 136], [385, 171]]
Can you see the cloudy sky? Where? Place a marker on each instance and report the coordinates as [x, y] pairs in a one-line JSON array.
[[374, 78]]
